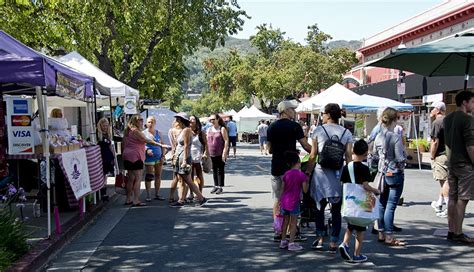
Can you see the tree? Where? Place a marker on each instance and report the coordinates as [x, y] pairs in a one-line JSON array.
[[135, 41]]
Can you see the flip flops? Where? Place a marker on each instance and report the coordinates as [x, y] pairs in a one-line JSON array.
[[139, 205], [395, 243]]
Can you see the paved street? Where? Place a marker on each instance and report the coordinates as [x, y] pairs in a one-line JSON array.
[[233, 232]]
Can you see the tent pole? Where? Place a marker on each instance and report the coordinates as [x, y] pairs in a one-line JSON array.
[[45, 140], [417, 145], [466, 79]]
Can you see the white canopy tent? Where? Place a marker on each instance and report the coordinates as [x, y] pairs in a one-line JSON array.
[[232, 113], [104, 82], [164, 120], [334, 94], [241, 111], [248, 119]]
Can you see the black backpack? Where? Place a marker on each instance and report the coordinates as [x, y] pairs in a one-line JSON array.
[[332, 155]]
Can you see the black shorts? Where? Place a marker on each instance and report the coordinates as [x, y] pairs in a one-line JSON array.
[[128, 165], [233, 141], [356, 228]]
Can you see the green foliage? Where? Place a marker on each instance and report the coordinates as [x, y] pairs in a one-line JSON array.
[[13, 242], [141, 43]]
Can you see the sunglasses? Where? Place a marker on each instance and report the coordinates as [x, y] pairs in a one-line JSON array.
[[141, 119], [213, 119]]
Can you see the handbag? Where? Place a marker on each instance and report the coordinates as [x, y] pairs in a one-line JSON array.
[[359, 207], [206, 164], [121, 184]]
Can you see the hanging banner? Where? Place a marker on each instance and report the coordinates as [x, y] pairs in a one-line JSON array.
[[69, 87], [20, 129], [359, 128], [74, 165], [130, 105]]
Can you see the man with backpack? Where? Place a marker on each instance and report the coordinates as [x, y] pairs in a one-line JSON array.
[[332, 144], [281, 137]]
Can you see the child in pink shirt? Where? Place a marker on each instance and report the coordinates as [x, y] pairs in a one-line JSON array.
[[293, 181]]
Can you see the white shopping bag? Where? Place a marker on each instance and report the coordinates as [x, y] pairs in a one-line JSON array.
[[359, 207]]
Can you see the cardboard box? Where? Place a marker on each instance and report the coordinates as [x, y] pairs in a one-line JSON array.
[[412, 156], [55, 149]]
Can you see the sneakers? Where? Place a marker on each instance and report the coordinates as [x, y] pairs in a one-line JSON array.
[[316, 245], [283, 244], [443, 214], [219, 191], [359, 259], [436, 207], [214, 190], [344, 251], [202, 202], [298, 237], [462, 238], [177, 204], [294, 247]]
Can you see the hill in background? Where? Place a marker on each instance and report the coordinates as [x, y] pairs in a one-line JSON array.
[[197, 83]]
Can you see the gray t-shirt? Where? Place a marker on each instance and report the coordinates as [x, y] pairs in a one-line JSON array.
[[391, 151], [326, 182]]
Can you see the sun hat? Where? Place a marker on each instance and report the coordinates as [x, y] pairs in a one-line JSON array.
[[439, 105], [183, 116]]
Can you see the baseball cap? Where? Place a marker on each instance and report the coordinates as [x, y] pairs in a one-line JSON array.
[[439, 105], [286, 104]]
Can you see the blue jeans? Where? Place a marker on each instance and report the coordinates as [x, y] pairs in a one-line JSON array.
[[389, 201], [335, 217]]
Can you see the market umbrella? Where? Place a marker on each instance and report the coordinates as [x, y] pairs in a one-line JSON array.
[[448, 57]]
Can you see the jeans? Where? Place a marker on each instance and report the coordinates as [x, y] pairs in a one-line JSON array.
[[336, 220], [218, 171], [394, 185]]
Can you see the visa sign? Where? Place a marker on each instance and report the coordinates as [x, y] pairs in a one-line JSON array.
[[21, 133]]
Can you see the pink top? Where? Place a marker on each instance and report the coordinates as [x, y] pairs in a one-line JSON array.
[[215, 142], [293, 180], [133, 148]]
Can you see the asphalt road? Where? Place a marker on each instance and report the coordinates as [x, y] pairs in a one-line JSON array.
[[234, 232]]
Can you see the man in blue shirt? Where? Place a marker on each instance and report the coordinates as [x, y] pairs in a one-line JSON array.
[[232, 130]]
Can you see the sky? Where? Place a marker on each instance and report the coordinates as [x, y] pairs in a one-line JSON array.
[[342, 19]]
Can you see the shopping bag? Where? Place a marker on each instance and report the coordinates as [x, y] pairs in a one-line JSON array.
[[359, 207], [278, 223], [206, 164], [121, 184]]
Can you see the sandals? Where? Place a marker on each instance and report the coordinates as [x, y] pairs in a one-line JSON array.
[[140, 204], [395, 243], [148, 199]]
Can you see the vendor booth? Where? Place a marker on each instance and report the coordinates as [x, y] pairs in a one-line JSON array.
[[334, 94], [365, 108], [24, 74], [249, 119]]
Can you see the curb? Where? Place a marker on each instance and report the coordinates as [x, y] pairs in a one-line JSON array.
[[40, 254]]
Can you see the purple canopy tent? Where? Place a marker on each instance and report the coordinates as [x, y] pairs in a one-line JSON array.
[[23, 70]]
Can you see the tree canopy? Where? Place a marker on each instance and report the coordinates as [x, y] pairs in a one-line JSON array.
[[139, 42]]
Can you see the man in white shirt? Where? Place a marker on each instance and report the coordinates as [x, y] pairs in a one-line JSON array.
[[262, 136]]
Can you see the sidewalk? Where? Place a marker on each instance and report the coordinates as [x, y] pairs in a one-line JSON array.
[[43, 248]]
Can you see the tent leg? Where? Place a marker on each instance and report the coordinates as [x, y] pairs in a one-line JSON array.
[[417, 146], [42, 107]]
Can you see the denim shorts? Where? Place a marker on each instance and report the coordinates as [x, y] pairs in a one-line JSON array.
[[295, 211]]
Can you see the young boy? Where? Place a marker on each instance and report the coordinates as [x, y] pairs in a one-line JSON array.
[[362, 176]]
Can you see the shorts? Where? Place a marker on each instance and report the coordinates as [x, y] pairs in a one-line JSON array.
[[262, 140], [128, 165], [152, 161], [440, 168], [295, 211], [233, 141], [461, 185], [355, 228], [277, 182]]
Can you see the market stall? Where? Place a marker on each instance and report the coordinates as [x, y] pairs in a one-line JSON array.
[[334, 94], [365, 107], [25, 72]]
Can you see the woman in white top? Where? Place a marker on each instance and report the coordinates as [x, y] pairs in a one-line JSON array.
[[199, 150]]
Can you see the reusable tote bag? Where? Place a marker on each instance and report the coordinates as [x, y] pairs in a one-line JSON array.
[[359, 207]]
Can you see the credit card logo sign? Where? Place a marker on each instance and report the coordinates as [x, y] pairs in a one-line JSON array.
[[21, 121], [20, 106]]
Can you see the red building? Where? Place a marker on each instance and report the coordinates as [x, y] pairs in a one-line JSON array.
[[442, 21]]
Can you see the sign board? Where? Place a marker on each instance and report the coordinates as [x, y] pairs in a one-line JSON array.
[[20, 129], [69, 87], [130, 105], [77, 172], [432, 98], [401, 88], [414, 101]]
